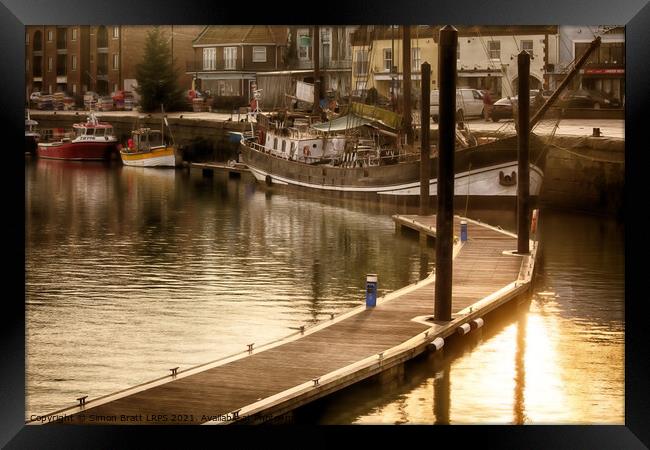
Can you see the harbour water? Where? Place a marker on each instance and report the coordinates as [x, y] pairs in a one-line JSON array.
[[131, 271]]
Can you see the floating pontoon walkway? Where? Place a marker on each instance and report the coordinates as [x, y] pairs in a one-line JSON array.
[[236, 168], [270, 380]]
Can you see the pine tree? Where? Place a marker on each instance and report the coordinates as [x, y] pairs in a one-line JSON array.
[[157, 76]]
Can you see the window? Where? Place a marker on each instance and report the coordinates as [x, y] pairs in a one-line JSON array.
[[49, 64], [27, 38], [74, 34], [495, 49], [115, 88], [116, 61], [458, 51], [617, 52], [527, 46], [102, 37], [415, 59], [361, 62], [259, 54], [304, 44], [275, 143], [388, 59], [61, 38], [116, 32], [38, 41], [581, 48], [74, 88], [348, 43], [230, 58], [61, 61], [49, 36], [209, 58], [326, 45], [73, 62], [284, 146]]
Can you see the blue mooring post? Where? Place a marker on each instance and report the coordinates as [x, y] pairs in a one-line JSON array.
[[463, 230], [371, 290]]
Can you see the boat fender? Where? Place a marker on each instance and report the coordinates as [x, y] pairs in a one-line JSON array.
[[507, 180], [437, 344], [463, 329], [476, 323], [269, 180]]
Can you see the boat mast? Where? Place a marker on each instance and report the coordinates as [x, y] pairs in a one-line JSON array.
[[316, 58], [406, 82]]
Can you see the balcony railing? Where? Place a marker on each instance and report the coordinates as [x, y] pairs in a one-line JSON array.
[[193, 66]]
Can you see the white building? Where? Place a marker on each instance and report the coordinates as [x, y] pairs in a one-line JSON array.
[[487, 56]]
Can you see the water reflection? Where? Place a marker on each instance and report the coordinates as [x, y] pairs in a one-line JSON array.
[[131, 271], [557, 358]]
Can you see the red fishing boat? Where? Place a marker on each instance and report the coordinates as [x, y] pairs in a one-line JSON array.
[[92, 140]]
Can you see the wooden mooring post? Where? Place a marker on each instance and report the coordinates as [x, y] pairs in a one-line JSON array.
[[406, 83], [446, 143], [425, 160], [523, 135]]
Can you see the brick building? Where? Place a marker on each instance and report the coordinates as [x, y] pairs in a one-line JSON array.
[[100, 58], [227, 58], [57, 59]]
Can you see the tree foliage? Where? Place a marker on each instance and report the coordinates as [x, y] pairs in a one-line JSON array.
[[157, 76]]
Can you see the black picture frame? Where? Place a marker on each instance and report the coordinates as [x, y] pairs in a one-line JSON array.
[[634, 14]]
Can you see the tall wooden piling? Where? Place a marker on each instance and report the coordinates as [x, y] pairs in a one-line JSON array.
[[446, 142], [523, 135], [316, 58], [406, 82], [425, 159]]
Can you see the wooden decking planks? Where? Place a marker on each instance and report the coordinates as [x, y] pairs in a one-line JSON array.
[[480, 268]]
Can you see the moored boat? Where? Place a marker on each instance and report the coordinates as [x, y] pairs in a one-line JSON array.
[[354, 155], [92, 141], [32, 135], [146, 148]]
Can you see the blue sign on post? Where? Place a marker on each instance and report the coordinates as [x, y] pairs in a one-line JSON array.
[[463, 230], [371, 290]]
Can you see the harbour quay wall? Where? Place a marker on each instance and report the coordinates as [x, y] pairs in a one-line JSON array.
[[199, 140], [585, 174], [581, 173]]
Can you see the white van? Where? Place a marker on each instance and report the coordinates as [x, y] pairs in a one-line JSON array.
[[469, 103]]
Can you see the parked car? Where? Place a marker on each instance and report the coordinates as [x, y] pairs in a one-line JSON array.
[[584, 98], [469, 103], [503, 108]]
